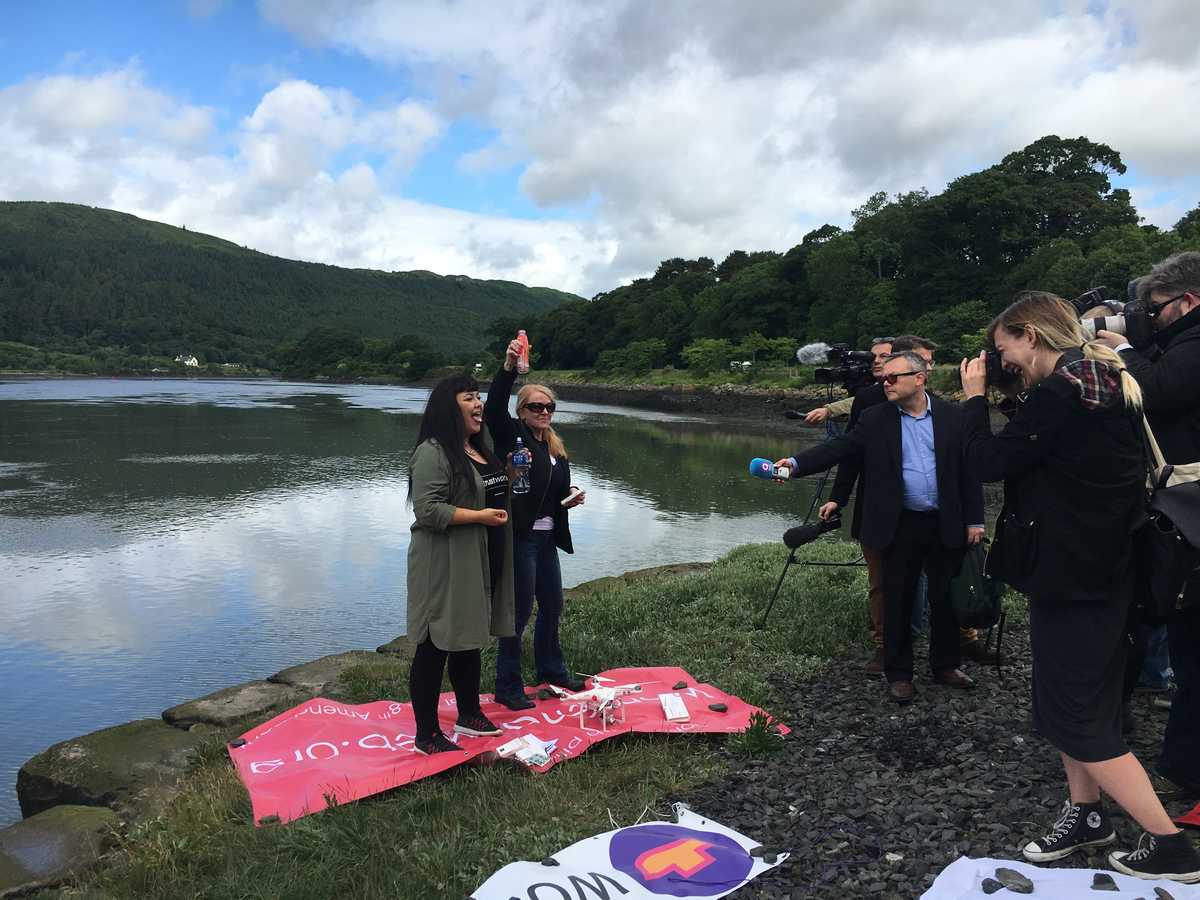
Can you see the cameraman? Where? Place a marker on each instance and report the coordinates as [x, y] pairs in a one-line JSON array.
[[881, 347], [1169, 375]]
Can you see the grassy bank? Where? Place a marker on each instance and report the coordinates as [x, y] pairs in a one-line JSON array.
[[442, 837]]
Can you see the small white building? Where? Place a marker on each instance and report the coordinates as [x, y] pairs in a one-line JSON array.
[[188, 360]]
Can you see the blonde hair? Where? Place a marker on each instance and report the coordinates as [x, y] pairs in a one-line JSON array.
[[557, 448], [1055, 327]]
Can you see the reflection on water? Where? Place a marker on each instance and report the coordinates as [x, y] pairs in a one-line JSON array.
[[162, 539]]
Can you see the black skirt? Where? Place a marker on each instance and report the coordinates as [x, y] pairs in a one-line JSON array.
[[1079, 649]]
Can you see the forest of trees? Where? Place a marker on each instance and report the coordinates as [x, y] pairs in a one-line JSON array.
[[942, 265], [94, 283], [96, 290]]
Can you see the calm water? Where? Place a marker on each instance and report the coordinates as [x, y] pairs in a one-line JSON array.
[[163, 539]]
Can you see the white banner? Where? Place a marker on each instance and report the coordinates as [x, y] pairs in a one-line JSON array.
[[691, 857], [961, 880]]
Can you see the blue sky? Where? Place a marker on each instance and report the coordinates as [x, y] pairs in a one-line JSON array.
[[572, 144]]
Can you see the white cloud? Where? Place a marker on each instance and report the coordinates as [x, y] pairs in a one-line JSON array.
[[699, 128], [681, 128]]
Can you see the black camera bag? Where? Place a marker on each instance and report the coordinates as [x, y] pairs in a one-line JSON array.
[[1167, 544]]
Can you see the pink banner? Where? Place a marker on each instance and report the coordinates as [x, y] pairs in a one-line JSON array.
[[323, 752]]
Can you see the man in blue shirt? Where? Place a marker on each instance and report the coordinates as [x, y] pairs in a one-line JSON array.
[[920, 509]]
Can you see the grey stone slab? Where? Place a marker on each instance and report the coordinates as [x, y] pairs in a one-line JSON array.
[[230, 705], [53, 845]]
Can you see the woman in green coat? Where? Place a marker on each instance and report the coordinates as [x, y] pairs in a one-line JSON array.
[[460, 581]]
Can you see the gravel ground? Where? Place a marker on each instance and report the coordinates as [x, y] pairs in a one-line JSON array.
[[860, 780]]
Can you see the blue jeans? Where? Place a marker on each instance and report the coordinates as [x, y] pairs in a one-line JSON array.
[[1156, 670], [535, 573]]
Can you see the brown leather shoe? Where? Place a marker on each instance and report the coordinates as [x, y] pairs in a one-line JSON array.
[[875, 666], [954, 678], [901, 691], [977, 651]]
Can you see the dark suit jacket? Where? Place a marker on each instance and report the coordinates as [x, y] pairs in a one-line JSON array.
[[875, 441], [849, 470]]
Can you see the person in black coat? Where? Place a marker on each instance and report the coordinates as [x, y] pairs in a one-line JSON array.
[[1169, 375], [918, 509], [1074, 474], [540, 529]]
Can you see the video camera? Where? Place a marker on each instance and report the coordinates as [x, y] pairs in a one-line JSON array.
[[849, 368]]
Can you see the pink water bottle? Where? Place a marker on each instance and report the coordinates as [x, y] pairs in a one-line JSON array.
[[523, 356]]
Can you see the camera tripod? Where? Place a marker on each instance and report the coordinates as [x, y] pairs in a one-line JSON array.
[[831, 431]]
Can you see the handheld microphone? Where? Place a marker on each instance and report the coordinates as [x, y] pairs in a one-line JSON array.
[[764, 468], [797, 537]]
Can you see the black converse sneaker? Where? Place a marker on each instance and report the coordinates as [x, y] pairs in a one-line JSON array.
[[476, 724], [1080, 825], [439, 743], [1170, 857]]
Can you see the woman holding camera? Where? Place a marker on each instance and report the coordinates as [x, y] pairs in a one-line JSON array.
[[540, 530], [1073, 468], [460, 581]]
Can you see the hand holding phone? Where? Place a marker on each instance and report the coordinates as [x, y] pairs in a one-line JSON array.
[[574, 498]]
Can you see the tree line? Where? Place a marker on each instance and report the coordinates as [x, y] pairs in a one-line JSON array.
[[941, 265]]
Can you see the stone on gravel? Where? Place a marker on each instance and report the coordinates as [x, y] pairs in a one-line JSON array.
[[320, 674], [131, 768], [53, 845], [227, 706], [1014, 881], [1102, 881]]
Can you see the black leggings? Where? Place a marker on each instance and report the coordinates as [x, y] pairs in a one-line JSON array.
[[425, 684]]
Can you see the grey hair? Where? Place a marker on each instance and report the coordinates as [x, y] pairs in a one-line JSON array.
[[916, 362], [1174, 275]]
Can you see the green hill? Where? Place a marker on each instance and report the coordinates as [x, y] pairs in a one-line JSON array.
[[79, 279]]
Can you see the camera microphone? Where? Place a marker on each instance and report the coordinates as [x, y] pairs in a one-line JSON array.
[[764, 468], [797, 537], [814, 354]]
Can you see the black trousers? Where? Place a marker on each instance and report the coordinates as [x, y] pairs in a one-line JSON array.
[[425, 684], [918, 545], [1180, 758]]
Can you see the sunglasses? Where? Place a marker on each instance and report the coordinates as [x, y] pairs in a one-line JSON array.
[[893, 377], [541, 407], [1154, 311]]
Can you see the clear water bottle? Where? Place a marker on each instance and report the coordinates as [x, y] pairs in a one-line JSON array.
[[521, 461]]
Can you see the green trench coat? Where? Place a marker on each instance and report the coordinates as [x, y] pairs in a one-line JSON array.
[[449, 577]]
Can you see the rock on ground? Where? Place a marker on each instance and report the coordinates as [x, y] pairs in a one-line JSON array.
[[230, 705], [314, 677], [130, 768], [860, 781], [53, 845]]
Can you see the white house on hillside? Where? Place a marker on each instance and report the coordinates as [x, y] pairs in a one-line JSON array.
[[189, 361]]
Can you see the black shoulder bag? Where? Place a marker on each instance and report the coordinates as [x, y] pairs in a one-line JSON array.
[[1166, 543]]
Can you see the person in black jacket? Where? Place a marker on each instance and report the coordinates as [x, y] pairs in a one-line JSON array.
[[917, 508], [540, 529], [1169, 376], [847, 482], [1073, 471]]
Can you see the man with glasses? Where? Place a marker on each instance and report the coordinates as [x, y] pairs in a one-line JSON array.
[[1169, 375], [916, 508]]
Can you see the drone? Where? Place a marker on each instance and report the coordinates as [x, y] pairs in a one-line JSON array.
[[601, 701]]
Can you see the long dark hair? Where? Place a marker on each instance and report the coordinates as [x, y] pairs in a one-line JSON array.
[[443, 422]]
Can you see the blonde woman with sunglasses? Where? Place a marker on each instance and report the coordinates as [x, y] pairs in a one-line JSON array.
[[540, 530]]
